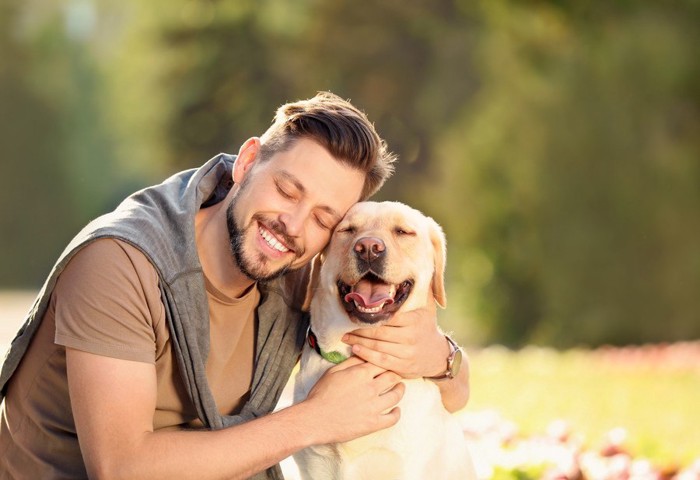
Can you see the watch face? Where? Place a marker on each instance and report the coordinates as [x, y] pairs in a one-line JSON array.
[[456, 363]]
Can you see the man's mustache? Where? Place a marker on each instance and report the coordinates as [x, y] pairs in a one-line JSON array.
[[280, 231]]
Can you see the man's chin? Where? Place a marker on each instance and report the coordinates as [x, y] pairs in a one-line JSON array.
[[259, 274], [265, 278]]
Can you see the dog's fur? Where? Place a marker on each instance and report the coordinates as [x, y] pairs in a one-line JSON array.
[[381, 252]]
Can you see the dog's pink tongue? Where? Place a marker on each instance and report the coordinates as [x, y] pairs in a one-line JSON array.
[[370, 295]]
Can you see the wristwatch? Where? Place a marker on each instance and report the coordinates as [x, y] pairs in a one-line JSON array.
[[454, 361]]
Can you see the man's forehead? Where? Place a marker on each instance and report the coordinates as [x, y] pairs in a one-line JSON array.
[[312, 168], [324, 197]]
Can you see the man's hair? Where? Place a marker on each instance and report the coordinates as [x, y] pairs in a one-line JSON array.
[[340, 128]]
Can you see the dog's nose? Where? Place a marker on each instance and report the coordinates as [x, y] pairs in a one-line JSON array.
[[370, 248]]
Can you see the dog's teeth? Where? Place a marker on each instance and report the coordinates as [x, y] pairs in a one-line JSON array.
[[369, 310]]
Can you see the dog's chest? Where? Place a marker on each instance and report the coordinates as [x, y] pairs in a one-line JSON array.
[[427, 442], [311, 369], [408, 446]]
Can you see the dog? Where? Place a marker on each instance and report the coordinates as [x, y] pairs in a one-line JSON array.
[[383, 257]]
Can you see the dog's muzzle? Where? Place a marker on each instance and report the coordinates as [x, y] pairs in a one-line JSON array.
[[370, 254], [372, 299]]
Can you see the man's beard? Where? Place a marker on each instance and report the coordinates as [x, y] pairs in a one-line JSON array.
[[255, 270]]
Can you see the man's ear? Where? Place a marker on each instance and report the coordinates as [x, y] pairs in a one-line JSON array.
[[313, 280], [247, 155], [437, 238]]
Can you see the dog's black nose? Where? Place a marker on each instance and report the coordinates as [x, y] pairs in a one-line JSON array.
[[369, 248]]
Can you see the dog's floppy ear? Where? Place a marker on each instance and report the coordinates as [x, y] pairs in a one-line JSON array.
[[313, 280], [437, 238]]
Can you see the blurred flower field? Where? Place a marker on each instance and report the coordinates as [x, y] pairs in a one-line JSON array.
[[610, 413], [606, 414]]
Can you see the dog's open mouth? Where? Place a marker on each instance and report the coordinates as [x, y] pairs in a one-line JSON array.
[[372, 300]]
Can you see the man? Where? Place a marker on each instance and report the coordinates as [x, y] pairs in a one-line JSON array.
[[161, 341]]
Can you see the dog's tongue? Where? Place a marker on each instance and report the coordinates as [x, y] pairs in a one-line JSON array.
[[369, 295]]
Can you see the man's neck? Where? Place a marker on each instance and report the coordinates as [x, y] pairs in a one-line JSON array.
[[213, 247]]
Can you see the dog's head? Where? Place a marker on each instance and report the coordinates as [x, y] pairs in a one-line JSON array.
[[383, 256]]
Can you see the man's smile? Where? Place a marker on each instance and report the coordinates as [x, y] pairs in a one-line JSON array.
[[273, 240]]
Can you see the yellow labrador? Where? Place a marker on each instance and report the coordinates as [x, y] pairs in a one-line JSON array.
[[382, 258]]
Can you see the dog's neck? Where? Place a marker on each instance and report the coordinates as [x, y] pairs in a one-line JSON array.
[[329, 323], [334, 356]]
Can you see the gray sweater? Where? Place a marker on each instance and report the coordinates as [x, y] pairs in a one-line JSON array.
[[159, 221]]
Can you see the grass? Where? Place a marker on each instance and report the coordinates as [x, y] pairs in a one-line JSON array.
[[651, 395]]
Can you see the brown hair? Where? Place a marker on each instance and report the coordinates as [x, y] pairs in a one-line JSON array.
[[340, 128]]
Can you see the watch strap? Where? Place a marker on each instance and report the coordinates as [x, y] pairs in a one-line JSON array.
[[449, 370]]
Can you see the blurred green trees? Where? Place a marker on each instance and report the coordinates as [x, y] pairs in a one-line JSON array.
[[558, 143]]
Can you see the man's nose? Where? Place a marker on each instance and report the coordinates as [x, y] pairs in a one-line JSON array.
[[369, 249], [293, 223]]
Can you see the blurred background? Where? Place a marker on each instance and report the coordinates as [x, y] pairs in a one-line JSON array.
[[558, 143]]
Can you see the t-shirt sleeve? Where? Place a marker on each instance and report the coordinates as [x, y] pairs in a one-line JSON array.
[[106, 302]]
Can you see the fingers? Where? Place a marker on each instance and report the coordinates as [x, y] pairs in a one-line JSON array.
[[389, 347], [382, 351], [385, 333], [412, 344], [382, 359], [392, 417], [386, 382], [353, 399], [379, 380], [355, 362], [401, 328], [345, 364], [387, 406]]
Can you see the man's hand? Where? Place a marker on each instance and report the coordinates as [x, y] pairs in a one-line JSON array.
[[352, 399], [410, 344]]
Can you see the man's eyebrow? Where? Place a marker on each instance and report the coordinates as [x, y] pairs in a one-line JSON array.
[[291, 178], [285, 175]]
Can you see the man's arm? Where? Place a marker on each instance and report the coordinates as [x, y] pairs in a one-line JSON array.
[[113, 402], [412, 345]]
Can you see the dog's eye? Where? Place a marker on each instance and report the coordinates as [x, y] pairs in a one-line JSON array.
[[346, 229], [401, 231]]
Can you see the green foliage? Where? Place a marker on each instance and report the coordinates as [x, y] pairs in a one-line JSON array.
[[556, 142], [33, 180], [581, 175]]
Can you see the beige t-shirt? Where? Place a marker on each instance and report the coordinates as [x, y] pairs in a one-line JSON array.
[[107, 301]]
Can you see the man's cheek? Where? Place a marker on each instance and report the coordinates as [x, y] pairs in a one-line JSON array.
[[325, 239], [316, 245]]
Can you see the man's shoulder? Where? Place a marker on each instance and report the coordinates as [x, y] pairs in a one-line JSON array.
[[110, 267], [109, 251]]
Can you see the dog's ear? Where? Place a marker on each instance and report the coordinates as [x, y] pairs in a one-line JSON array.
[[313, 280], [437, 238]]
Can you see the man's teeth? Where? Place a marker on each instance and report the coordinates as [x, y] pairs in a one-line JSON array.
[[362, 309], [272, 241]]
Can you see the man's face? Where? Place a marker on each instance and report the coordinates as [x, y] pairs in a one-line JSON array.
[[286, 208]]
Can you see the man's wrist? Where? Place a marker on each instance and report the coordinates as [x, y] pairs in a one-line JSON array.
[[453, 361], [303, 416]]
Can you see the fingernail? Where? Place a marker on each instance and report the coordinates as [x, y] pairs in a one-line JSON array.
[[345, 337]]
